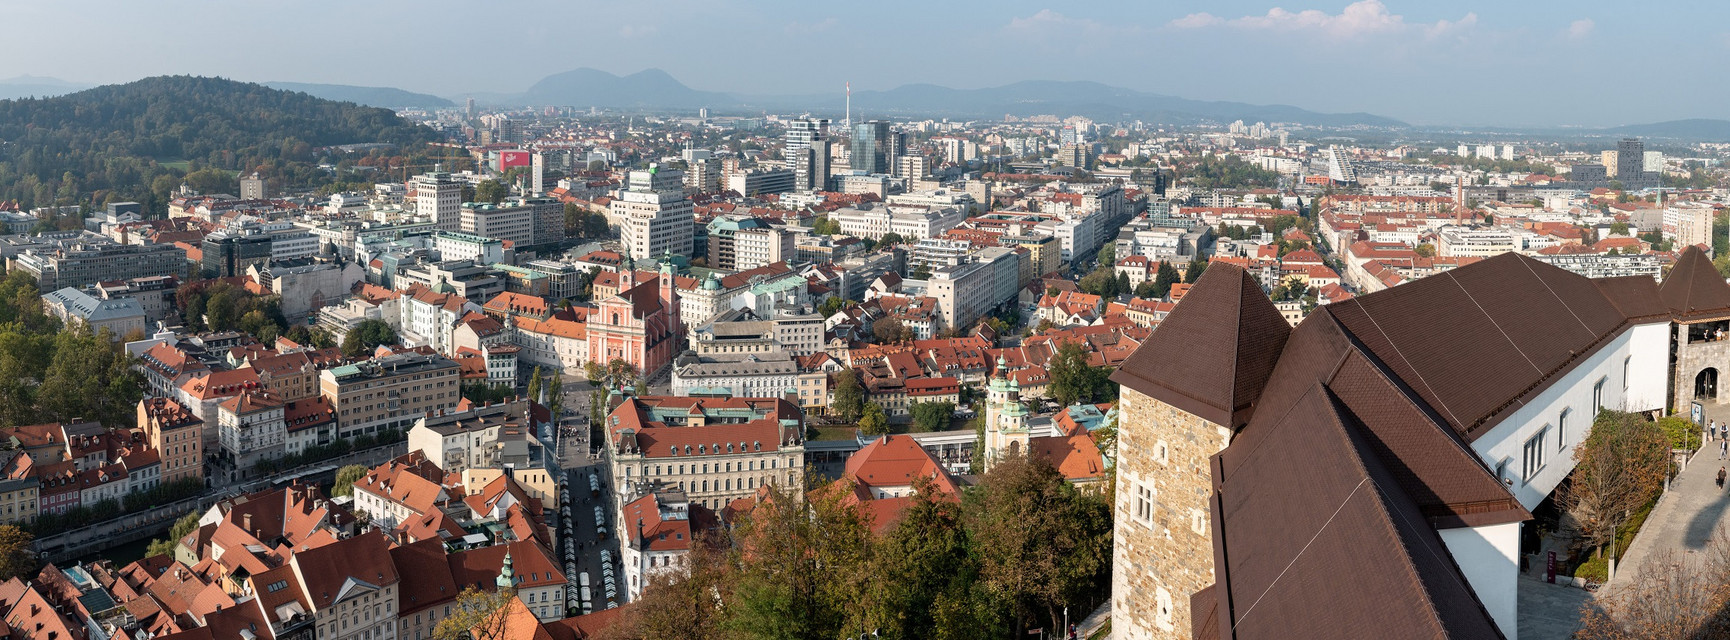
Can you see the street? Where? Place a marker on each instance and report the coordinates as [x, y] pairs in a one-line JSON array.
[[580, 543]]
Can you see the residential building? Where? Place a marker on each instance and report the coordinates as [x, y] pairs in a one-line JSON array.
[[657, 534], [350, 586], [250, 429], [480, 438], [391, 392], [176, 434]]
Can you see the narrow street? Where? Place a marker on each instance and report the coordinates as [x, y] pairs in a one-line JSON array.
[[580, 539]]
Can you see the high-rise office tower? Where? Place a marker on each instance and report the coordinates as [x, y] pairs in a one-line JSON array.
[[654, 215], [252, 187], [1631, 163], [871, 147], [806, 151], [439, 196]]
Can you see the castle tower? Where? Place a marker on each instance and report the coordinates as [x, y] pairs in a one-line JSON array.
[[1185, 392]]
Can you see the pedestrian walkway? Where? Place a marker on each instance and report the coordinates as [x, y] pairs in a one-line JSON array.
[[1549, 611], [1686, 518]]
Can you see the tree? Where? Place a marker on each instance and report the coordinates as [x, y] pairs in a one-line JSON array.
[[849, 396], [478, 615], [1100, 282], [1145, 290], [886, 330], [832, 305], [891, 239], [1123, 285], [1425, 250], [931, 416], [593, 371], [1675, 597], [1163, 279], [1107, 255], [682, 604], [535, 385], [1041, 544], [807, 568], [1074, 380], [1619, 467], [345, 479], [17, 560], [491, 191], [925, 576], [556, 395], [874, 422], [1193, 272], [366, 336], [1618, 228], [182, 528]]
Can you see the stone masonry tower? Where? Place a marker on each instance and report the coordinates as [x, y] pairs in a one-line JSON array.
[[1186, 390]]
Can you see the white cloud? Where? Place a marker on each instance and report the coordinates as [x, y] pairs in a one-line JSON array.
[[1051, 31], [1581, 28], [1362, 18]]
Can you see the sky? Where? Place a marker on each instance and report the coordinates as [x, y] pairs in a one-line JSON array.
[[1471, 63]]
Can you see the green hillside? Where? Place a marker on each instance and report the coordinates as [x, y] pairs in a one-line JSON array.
[[111, 142]]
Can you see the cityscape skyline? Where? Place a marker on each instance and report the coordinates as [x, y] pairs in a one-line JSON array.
[[1406, 61]]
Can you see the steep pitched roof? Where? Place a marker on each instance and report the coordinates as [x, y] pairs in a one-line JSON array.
[[1694, 290], [1214, 352], [1474, 342], [1312, 504]]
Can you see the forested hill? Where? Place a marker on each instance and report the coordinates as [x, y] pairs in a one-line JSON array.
[[137, 139]]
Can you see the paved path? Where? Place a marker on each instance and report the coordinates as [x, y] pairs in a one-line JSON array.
[[1685, 519], [1549, 611]]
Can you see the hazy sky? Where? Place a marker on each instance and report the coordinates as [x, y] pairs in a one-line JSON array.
[[1588, 62]]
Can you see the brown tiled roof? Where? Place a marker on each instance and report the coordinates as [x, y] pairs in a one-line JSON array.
[[1636, 296], [1474, 342], [1695, 290], [1327, 543], [365, 557], [1214, 352], [426, 576]]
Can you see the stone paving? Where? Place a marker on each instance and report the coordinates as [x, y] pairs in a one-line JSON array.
[[1686, 517], [1549, 611]]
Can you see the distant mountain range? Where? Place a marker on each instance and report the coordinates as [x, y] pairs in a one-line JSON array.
[[1698, 129], [655, 89], [37, 86], [385, 97]]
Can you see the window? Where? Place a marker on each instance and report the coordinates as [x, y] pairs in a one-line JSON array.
[[1534, 456], [1561, 429], [1144, 504], [1627, 364], [1598, 396]]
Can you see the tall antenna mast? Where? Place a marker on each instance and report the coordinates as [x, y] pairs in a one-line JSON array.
[[849, 124]]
